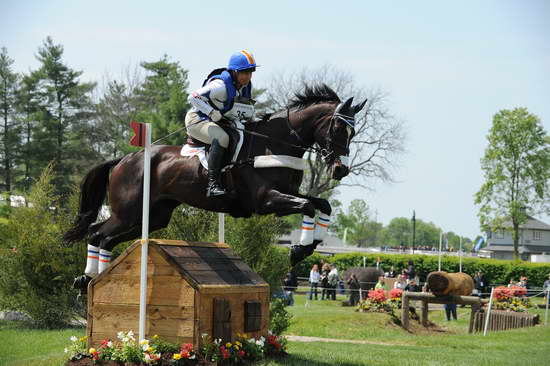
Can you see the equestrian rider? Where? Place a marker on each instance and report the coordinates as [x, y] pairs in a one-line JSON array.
[[216, 99]]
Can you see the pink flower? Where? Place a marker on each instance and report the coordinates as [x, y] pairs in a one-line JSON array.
[[377, 295], [396, 293]]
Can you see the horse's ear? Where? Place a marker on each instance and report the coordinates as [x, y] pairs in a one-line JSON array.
[[358, 107], [345, 108]]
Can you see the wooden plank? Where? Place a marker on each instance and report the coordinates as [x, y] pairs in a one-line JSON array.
[[161, 290], [405, 310], [183, 243], [234, 289], [424, 309]]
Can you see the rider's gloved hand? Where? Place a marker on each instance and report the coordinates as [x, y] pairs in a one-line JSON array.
[[215, 115]]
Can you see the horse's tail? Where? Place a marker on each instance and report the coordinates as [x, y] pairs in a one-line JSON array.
[[92, 194]]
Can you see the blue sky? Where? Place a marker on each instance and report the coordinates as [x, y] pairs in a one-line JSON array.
[[448, 68]]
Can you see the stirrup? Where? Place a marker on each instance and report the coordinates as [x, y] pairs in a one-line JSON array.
[[215, 190]]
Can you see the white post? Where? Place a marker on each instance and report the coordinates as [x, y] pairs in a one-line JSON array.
[[488, 312], [221, 228], [345, 236], [439, 255], [546, 311], [145, 232], [460, 255], [364, 261]]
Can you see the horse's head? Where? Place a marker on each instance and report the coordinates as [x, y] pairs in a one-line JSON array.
[[338, 135]]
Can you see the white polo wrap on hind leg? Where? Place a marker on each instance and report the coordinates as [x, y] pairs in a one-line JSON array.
[[104, 259], [92, 261], [321, 226], [308, 229]]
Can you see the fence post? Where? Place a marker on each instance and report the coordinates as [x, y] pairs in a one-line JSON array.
[[405, 311], [546, 311], [488, 312]]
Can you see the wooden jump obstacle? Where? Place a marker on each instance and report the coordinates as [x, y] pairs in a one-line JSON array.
[[426, 298], [504, 320], [192, 288]]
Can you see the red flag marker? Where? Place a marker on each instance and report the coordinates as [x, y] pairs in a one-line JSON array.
[[139, 134]]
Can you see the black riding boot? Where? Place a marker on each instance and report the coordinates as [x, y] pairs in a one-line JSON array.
[[215, 162]]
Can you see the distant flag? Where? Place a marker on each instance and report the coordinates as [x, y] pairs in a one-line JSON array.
[[479, 244], [139, 134]]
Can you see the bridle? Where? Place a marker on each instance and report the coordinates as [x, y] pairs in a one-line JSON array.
[[329, 141]]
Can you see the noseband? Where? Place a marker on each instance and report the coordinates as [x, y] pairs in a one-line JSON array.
[[328, 151]]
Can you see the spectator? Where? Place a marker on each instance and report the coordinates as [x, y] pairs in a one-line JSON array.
[[523, 282], [391, 273], [333, 282], [314, 277], [412, 286], [290, 284], [512, 283], [410, 270], [546, 287], [381, 284], [450, 309], [354, 285], [325, 270], [480, 283], [400, 283]]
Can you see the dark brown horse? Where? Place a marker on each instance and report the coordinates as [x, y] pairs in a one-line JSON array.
[[315, 117]]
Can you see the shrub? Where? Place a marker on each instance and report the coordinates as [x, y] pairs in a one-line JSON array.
[[279, 317]]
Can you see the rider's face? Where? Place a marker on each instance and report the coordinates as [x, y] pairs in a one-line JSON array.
[[244, 77]]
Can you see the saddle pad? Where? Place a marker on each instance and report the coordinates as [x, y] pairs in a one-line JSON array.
[[263, 161]]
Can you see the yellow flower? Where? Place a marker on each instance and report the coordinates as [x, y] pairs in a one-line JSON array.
[[92, 351], [236, 347], [150, 349], [238, 343], [228, 345], [83, 338], [155, 336], [144, 341], [176, 356], [245, 336]]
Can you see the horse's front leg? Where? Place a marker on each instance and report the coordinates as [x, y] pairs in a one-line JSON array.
[[313, 233]]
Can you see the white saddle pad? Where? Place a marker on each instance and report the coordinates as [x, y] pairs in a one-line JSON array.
[[263, 161]]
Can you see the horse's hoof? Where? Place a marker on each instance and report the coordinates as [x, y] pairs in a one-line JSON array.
[[299, 252], [81, 283]]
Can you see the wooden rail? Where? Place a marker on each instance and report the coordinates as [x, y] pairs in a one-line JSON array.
[[503, 320]]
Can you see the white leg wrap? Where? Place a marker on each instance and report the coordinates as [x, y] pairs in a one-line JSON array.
[[91, 261], [321, 226], [308, 228], [104, 259]]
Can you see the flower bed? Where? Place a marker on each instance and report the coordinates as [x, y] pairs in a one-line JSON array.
[[127, 351], [377, 301], [511, 298]]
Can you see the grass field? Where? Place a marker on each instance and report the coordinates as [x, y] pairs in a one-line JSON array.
[[387, 344]]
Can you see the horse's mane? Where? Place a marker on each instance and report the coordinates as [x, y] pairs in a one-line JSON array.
[[319, 93]]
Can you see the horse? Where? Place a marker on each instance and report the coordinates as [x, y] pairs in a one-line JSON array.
[[315, 116]]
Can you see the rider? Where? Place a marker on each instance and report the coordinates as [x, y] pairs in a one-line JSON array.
[[210, 103]]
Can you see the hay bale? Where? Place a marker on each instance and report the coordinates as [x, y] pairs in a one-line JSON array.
[[443, 283]]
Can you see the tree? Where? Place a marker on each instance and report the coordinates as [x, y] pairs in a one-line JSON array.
[[398, 232], [162, 100], [516, 168], [10, 134], [64, 110], [379, 138], [361, 230]]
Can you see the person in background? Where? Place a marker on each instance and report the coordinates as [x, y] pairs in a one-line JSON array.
[[325, 270], [404, 274], [391, 273], [381, 284], [333, 281], [314, 277], [400, 283], [412, 286], [290, 284], [411, 273], [512, 283], [546, 287], [479, 282], [450, 309], [354, 286]]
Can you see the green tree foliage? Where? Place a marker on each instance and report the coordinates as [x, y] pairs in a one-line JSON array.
[[516, 168], [63, 112], [9, 139], [36, 269], [162, 99], [361, 229]]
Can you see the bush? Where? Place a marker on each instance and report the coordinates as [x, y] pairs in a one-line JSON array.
[[279, 318], [496, 271], [36, 268]]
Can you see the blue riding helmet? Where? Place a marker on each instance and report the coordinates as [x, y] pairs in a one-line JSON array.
[[242, 60]]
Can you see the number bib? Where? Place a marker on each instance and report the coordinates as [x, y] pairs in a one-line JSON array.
[[241, 112]]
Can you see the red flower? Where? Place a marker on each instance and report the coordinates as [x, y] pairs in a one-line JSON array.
[[396, 293], [95, 355], [184, 354], [377, 295], [518, 291], [241, 353], [187, 347], [503, 293], [271, 339]]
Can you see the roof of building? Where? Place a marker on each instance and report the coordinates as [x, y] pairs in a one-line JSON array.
[[532, 223]]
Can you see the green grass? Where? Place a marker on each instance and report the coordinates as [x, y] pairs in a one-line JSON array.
[[390, 344]]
